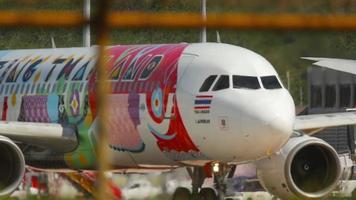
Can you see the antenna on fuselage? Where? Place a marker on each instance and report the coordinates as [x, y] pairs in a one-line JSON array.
[[203, 13], [86, 28], [218, 40], [53, 43]]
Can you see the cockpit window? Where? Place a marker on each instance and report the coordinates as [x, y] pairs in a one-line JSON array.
[[270, 82], [248, 82], [222, 83], [207, 83]]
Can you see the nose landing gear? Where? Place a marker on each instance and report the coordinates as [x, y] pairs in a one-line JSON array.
[[198, 174]]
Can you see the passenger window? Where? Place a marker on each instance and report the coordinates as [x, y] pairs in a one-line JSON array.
[[81, 87], [270, 82], [48, 88], [27, 88], [38, 88], [22, 88], [33, 88], [248, 82], [207, 83], [12, 88], [222, 83], [54, 88], [17, 88], [65, 87]]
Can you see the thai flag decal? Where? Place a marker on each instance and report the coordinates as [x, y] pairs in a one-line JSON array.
[[202, 102]]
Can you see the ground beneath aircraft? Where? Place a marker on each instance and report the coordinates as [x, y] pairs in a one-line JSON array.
[[155, 186]]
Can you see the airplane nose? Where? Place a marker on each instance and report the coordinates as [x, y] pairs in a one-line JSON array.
[[281, 126], [281, 122]]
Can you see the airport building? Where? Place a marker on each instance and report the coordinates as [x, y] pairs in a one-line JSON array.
[[333, 91]]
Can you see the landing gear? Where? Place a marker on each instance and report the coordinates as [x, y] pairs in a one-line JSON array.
[[182, 193], [221, 173], [207, 194], [198, 175]]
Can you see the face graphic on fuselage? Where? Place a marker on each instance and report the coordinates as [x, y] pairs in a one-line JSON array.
[[158, 114]]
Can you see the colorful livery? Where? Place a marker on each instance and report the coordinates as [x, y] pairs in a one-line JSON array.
[[169, 105]]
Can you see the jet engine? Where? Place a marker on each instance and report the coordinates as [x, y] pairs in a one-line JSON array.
[[12, 166], [305, 168]]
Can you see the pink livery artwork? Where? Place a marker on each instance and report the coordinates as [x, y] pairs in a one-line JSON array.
[[143, 85]]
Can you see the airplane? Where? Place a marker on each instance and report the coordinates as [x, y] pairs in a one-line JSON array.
[[203, 106]]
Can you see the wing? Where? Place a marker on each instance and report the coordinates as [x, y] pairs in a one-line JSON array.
[[343, 65], [311, 124], [314, 123], [57, 137]]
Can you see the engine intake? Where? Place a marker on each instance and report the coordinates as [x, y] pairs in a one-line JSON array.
[[12, 166], [305, 168]]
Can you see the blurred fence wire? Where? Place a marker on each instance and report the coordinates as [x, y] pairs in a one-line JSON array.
[[183, 20], [104, 19]]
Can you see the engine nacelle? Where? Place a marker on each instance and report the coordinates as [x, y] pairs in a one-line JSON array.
[[12, 166], [305, 168]]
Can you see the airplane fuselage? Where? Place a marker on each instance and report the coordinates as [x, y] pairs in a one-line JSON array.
[[168, 104]]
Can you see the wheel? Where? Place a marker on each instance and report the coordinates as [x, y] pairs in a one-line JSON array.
[[182, 193], [207, 194]]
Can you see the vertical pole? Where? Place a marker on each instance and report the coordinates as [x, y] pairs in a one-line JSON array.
[[301, 96], [203, 30], [288, 80], [86, 28], [101, 87]]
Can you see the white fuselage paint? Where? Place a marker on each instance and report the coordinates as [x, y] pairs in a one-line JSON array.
[[259, 122]]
